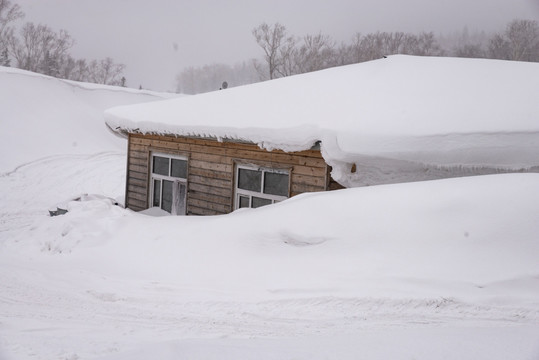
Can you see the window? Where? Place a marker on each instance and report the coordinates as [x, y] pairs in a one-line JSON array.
[[168, 183], [257, 187]]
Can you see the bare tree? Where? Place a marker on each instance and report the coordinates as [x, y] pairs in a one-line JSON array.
[[194, 80], [354, 50], [393, 42], [288, 55], [80, 71], [39, 48], [4, 57], [520, 41], [499, 48], [371, 47], [8, 13], [523, 37], [106, 71], [271, 39], [344, 54], [376, 45], [428, 46], [317, 52], [470, 51]]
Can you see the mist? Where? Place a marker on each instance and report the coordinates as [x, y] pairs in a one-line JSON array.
[[158, 39]]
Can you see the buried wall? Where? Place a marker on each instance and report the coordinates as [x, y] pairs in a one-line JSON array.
[[218, 176]]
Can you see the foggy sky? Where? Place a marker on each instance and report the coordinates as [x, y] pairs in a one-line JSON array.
[[157, 39]]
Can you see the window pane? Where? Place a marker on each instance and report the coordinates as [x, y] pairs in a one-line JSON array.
[[156, 192], [179, 168], [258, 202], [179, 192], [166, 197], [244, 202], [250, 180], [160, 165], [276, 184]]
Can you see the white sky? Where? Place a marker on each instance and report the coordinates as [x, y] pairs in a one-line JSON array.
[[157, 39]]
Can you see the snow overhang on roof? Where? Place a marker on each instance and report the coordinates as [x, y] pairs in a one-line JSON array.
[[428, 110]]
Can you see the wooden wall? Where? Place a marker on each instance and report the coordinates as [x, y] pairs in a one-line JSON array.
[[211, 170]]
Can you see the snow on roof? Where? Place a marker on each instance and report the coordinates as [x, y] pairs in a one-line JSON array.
[[422, 110]]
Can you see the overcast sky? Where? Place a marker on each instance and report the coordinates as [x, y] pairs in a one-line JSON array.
[[156, 39]]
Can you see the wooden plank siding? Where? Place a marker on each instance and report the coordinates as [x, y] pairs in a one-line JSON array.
[[137, 177], [211, 166]]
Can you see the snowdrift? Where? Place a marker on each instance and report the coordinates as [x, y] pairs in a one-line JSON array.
[[466, 233], [448, 268], [42, 116], [401, 118]]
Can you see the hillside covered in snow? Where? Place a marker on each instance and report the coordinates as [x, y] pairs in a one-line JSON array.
[[42, 116], [443, 269]]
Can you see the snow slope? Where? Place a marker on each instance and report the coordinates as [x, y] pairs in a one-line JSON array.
[[434, 270], [41, 116], [403, 114]]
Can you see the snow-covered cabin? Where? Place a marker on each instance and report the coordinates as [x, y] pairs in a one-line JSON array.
[[402, 118]]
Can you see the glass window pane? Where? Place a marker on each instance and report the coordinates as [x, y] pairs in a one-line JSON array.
[[244, 202], [258, 202], [179, 192], [160, 165], [276, 184], [179, 168], [166, 197], [250, 180], [156, 192]]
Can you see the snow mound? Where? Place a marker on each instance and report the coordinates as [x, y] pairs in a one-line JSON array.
[[468, 231], [404, 112], [43, 116], [432, 264]]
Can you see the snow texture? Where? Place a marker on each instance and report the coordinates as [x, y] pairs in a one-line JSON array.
[[399, 118], [441, 269], [42, 116]]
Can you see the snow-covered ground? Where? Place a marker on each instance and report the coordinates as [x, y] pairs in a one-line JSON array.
[[444, 269], [42, 116]]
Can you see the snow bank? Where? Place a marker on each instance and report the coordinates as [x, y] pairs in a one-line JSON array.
[[410, 113], [41, 116], [442, 269], [467, 233]]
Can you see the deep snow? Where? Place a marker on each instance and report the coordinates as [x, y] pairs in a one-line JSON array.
[[42, 116], [445, 270], [441, 269], [402, 118]]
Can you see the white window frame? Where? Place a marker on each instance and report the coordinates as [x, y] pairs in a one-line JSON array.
[[160, 177], [242, 192]]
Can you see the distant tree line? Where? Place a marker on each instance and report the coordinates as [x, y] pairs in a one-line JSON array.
[[195, 80], [284, 54], [38, 48]]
